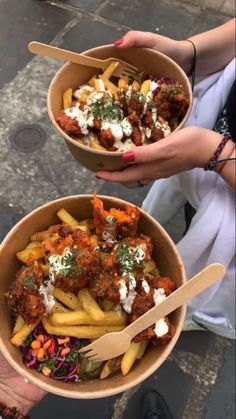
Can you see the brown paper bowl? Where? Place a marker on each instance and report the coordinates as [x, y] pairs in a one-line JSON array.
[[166, 256], [73, 75]]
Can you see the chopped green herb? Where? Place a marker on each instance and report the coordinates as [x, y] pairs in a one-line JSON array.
[[73, 355], [29, 340], [105, 109], [29, 282]]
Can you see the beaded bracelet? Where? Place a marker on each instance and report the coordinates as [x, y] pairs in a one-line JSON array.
[[11, 412], [194, 63], [214, 159]]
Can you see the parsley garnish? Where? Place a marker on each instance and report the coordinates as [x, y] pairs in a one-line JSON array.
[[107, 110], [29, 340], [29, 282]]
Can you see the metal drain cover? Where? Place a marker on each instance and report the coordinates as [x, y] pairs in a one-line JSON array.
[[27, 138]]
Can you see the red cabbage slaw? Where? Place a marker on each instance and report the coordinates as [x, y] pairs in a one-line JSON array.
[[65, 368]]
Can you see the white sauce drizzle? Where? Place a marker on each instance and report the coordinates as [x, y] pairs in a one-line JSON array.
[[161, 327]]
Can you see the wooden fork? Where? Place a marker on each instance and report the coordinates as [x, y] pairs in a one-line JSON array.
[[45, 50], [116, 343]]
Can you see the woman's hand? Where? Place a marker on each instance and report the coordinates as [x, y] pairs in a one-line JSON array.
[[183, 150], [179, 51], [14, 391]]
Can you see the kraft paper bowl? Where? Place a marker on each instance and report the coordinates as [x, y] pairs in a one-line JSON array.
[[166, 256], [73, 75]]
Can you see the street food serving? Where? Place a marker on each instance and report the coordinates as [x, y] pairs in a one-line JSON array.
[[80, 280], [113, 114]]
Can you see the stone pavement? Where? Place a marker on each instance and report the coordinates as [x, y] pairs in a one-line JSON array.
[[197, 380]]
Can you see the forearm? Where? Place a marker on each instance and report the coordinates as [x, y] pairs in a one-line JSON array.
[[215, 48], [227, 170]]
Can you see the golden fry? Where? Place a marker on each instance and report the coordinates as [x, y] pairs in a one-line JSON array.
[[41, 235], [94, 143], [91, 81], [142, 348], [136, 86], [123, 83], [110, 366], [151, 268], [110, 70], [59, 308], [23, 333], [67, 98], [28, 256], [99, 85], [130, 357], [145, 87], [110, 86], [107, 305], [69, 299], [19, 323], [111, 318], [90, 305], [66, 218], [80, 332]]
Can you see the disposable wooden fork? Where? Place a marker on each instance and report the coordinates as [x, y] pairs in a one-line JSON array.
[[116, 343], [123, 68]]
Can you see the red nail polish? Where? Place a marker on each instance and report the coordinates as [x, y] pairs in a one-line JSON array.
[[118, 42], [128, 157]]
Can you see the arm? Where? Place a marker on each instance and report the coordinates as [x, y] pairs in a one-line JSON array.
[[183, 150], [215, 48]]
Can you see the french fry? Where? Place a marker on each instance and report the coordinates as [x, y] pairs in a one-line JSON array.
[[66, 218], [90, 305], [145, 87], [111, 318], [67, 98], [123, 83], [110, 70], [80, 332], [69, 299], [109, 85], [94, 143], [142, 348], [130, 357], [19, 323], [28, 256], [59, 308], [23, 333], [91, 81], [41, 235], [99, 85], [136, 86], [110, 366]]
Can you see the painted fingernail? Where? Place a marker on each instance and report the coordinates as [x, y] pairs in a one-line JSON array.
[[118, 42], [128, 157]]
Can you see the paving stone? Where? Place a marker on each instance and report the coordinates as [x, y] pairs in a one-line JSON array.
[[89, 33], [208, 20], [166, 380], [89, 5], [9, 217], [21, 23], [166, 19], [221, 404], [195, 342], [63, 408]]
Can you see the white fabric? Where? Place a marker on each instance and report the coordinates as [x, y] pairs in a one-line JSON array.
[[211, 236]]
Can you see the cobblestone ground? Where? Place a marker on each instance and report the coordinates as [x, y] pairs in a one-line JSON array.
[[197, 380]]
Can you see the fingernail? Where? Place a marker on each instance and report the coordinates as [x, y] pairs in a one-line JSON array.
[[128, 157], [98, 177], [118, 42]]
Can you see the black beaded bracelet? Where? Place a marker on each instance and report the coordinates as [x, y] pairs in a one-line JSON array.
[[192, 72], [11, 412]]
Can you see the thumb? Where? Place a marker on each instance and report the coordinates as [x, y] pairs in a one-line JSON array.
[[137, 39]]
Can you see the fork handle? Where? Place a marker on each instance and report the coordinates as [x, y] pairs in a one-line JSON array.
[[49, 51], [188, 290]]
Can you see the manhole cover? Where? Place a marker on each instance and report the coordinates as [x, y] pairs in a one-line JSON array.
[[27, 138]]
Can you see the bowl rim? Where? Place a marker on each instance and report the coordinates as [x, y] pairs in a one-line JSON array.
[[77, 394], [87, 52]]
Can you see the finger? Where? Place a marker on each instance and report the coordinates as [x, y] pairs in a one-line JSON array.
[[137, 39], [148, 153], [127, 176]]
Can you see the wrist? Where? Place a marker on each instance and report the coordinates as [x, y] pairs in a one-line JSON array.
[[185, 55]]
